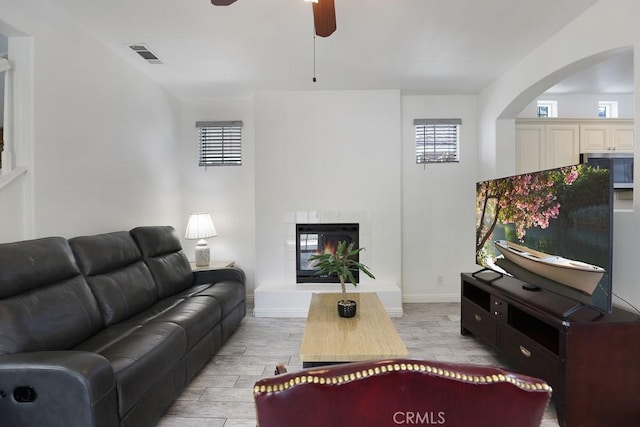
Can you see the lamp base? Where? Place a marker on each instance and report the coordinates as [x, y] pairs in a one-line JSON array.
[[203, 255]]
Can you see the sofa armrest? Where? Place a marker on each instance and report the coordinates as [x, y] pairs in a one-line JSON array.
[[57, 388], [218, 275]]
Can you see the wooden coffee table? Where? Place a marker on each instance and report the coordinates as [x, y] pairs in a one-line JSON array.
[[329, 338]]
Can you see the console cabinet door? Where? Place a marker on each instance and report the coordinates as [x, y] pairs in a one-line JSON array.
[[530, 356]]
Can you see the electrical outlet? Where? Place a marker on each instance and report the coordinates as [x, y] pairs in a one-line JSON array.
[[440, 281]]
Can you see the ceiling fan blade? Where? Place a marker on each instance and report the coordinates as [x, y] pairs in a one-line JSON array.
[[324, 17], [222, 2]]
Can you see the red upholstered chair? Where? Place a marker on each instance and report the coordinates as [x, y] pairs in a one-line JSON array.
[[401, 392]]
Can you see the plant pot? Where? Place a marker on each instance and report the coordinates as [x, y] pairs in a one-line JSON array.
[[346, 308]]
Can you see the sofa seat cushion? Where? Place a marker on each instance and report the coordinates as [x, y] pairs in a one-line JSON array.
[[197, 316], [189, 292], [119, 279], [108, 337], [228, 293], [147, 352]]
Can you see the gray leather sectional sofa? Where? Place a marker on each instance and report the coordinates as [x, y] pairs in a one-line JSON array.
[[107, 330]]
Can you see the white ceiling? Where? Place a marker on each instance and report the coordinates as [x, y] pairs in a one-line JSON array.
[[418, 46]]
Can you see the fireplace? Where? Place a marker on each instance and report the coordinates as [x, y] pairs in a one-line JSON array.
[[313, 239]]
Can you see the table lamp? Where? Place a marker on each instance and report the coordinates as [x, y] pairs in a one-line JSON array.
[[200, 227]]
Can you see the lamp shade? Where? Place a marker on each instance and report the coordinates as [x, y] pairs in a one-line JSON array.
[[200, 226]]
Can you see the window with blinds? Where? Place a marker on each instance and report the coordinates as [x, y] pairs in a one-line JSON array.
[[220, 143], [437, 140]]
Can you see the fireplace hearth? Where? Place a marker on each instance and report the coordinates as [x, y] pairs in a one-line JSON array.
[[314, 239]]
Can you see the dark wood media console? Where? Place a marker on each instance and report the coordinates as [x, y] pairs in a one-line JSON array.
[[591, 360]]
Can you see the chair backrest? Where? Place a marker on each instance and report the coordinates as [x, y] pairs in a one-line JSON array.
[[401, 392]]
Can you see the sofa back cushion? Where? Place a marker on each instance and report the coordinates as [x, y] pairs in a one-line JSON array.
[[161, 250], [45, 303], [117, 276]]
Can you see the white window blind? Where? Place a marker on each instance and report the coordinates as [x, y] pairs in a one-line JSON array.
[[220, 143], [437, 140]]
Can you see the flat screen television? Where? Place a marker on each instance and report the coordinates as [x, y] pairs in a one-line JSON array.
[[552, 230]]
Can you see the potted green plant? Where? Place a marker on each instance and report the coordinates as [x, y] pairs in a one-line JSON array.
[[342, 264]]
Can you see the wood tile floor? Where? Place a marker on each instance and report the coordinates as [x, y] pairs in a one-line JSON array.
[[221, 394]]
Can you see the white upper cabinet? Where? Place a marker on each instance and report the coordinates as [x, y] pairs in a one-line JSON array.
[[622, 137], [594, 138], [562, 145], [529, 148], [550, 143], [607, 136], [546, 145]]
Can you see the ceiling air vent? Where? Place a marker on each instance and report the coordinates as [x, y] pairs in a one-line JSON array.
[[145, 53]]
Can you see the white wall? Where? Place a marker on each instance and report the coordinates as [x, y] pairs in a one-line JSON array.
[[438, 204], [328, 151], [582, 106], [227, 193], [579, 44], [98, 137], [3, 52], [16, 188], [343, 152], [12, 209]]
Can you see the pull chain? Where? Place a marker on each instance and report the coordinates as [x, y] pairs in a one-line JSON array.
[[314, 57]]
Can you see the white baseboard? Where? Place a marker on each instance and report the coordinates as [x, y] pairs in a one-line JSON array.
[[430, 298]]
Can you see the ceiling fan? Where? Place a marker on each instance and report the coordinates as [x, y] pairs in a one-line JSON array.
[[324, 15]]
